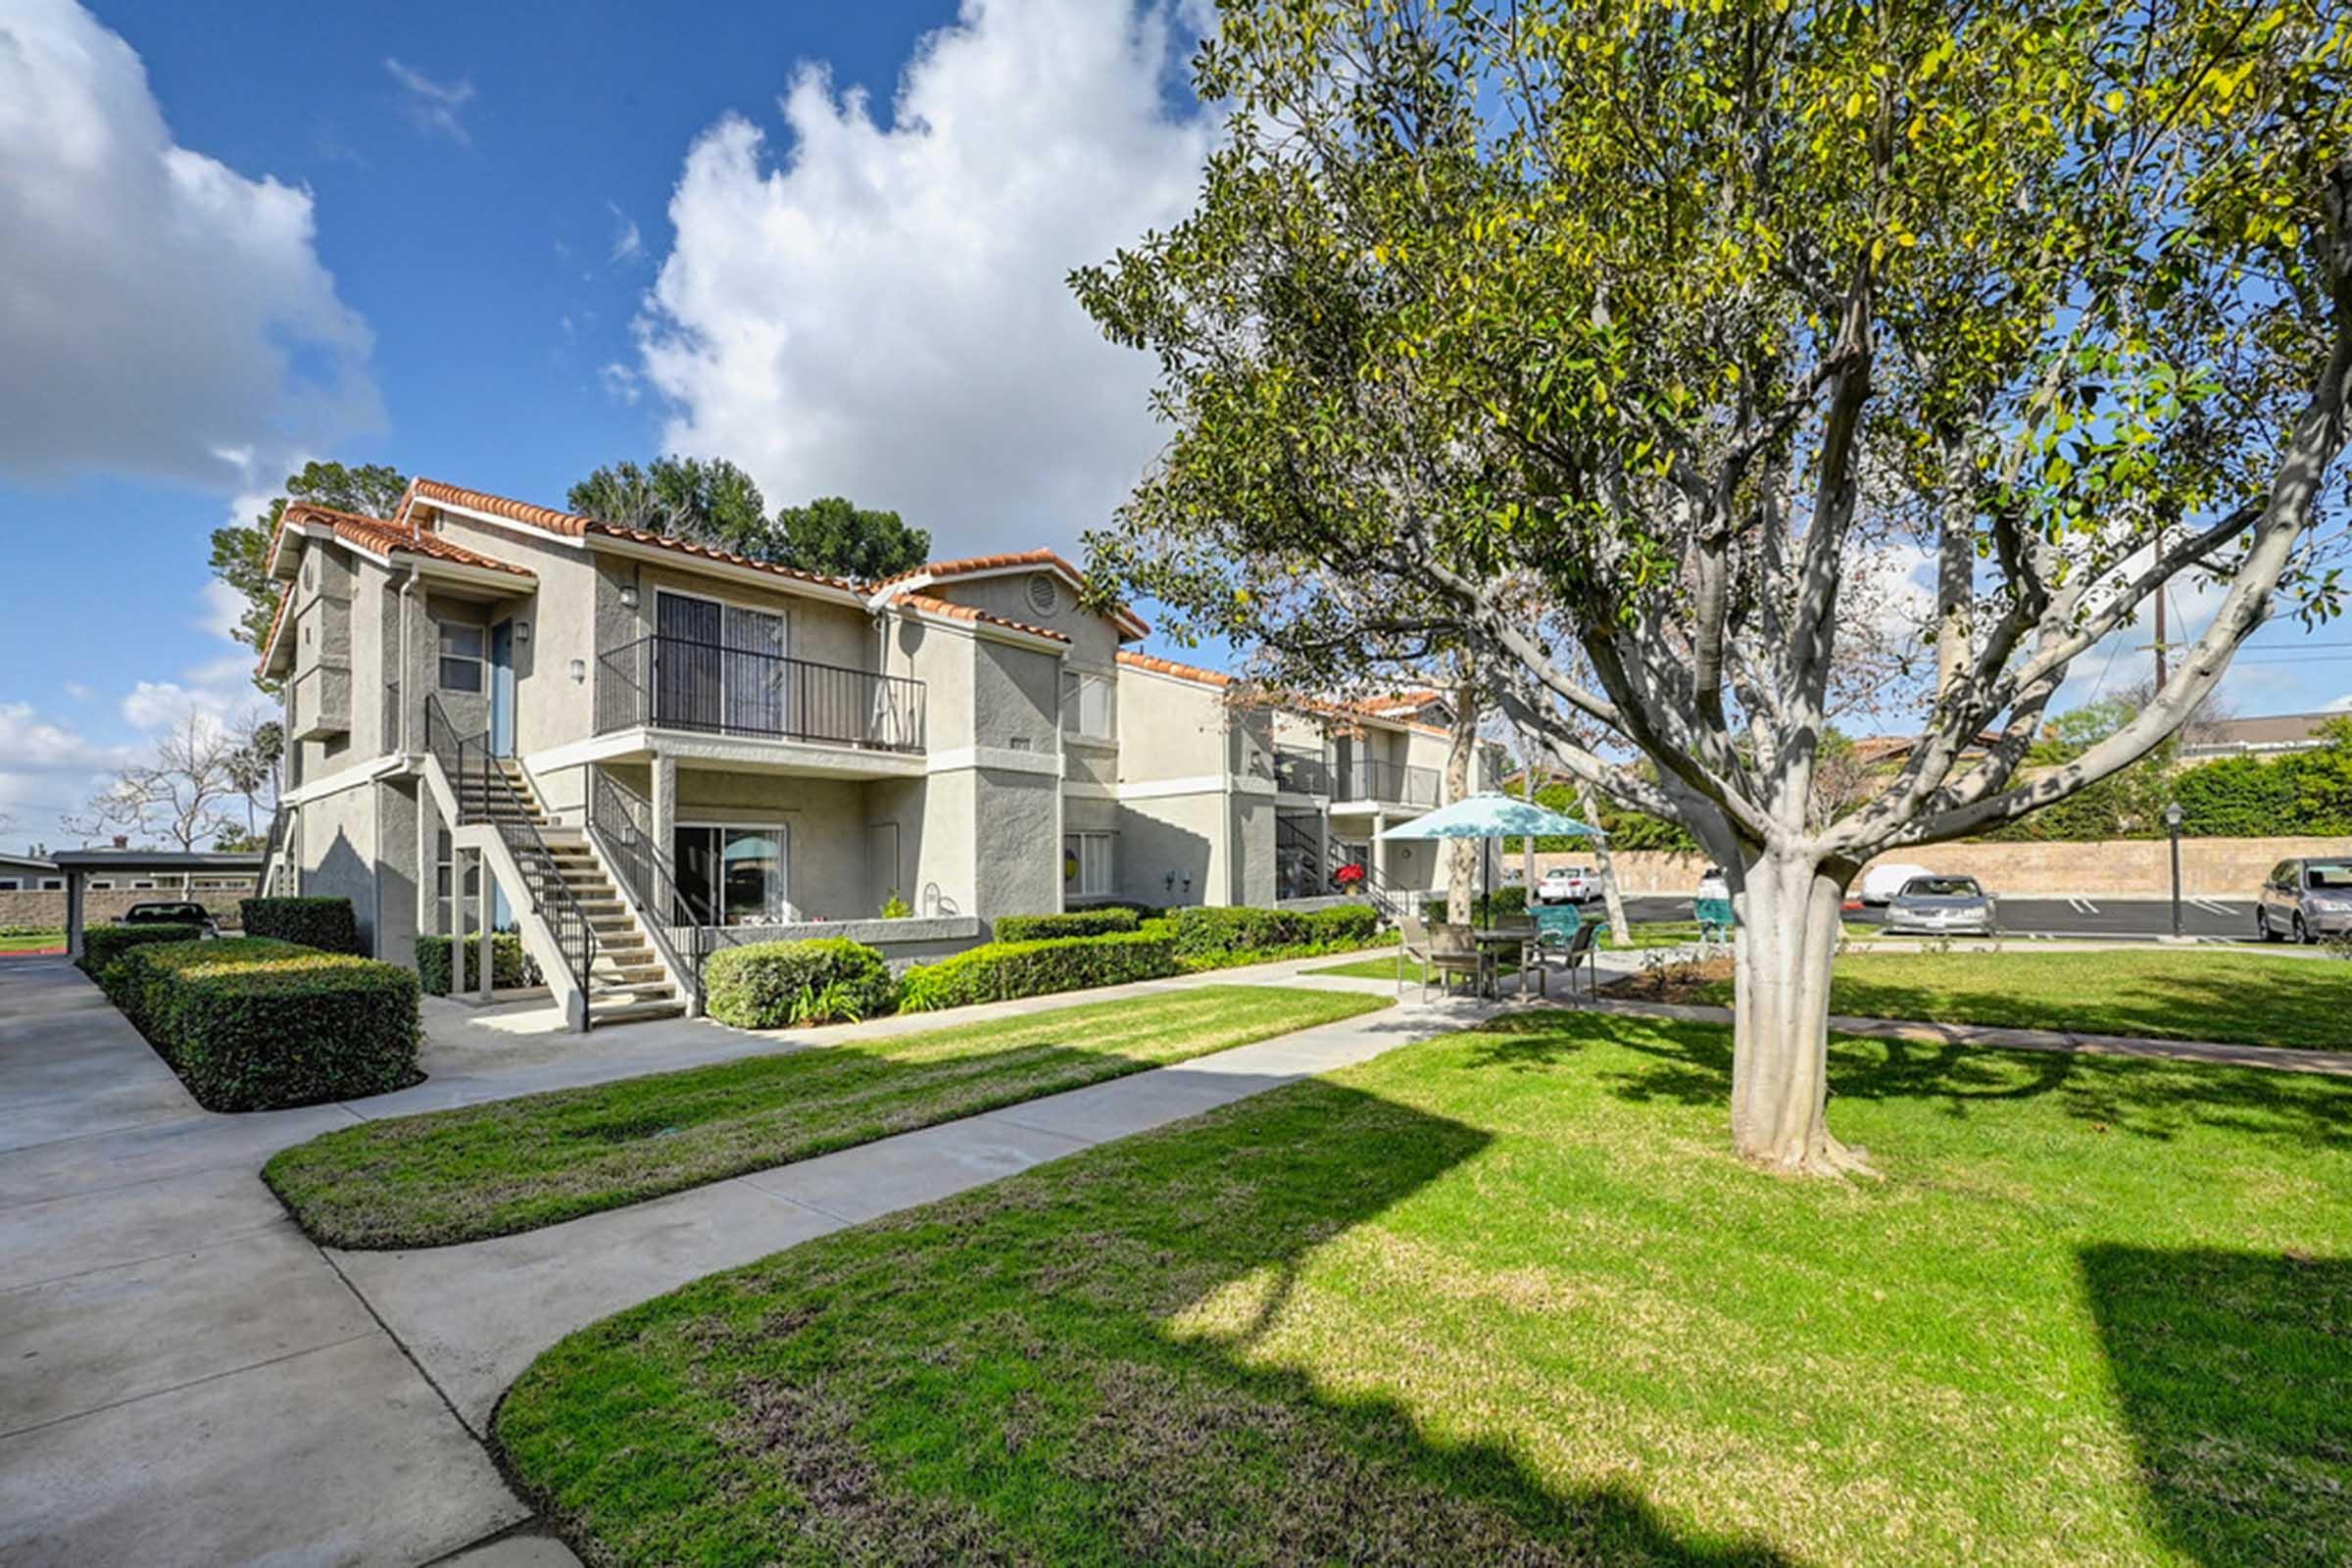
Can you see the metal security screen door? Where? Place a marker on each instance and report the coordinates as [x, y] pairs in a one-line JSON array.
[[753, 673], [686, 668]]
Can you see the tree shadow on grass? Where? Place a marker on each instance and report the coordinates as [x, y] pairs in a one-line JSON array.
[[2296, 1003], [2234, 1373], [1110, 1359], [1690, 1064]]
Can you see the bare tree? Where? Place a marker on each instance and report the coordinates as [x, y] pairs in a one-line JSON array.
[[182, 797]]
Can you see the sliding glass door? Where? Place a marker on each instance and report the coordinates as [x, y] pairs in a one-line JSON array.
[[736, 873], [721, 668]]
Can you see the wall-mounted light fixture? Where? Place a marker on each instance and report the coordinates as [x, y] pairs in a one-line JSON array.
[[579, 671], [628, 596], [523, 631]]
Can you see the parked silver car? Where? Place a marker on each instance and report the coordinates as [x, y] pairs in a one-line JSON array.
[[1943, 906], [2306, 899]]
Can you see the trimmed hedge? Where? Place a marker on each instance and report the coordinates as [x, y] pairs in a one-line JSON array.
[[1483, 907], [326, 925], [511, 966], [258, 1024], [1100, 922], [1003, 970], [102, 944], [1203, 931], [771, 985]]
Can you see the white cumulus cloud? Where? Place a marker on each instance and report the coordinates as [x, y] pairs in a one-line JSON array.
[[158, 308], [882, 311]]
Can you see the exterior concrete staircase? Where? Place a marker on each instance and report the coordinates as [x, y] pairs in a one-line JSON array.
[[627, 982]]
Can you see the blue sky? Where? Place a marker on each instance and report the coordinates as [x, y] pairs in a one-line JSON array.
[[500, 244]]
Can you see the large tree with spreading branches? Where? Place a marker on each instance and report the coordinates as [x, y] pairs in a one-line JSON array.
[[1605, 336]]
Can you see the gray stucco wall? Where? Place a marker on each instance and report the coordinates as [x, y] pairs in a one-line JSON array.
[[1094, 641], [944, 660], [1169, 728], [825, 869], [339, 853], [1017, 845], [397, 871], [1174, 833], [1015, 695]]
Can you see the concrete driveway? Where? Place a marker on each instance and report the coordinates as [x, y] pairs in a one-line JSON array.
[[185, 1377]]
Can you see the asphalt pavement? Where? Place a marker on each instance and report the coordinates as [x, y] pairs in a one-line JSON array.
[[2114, 920]]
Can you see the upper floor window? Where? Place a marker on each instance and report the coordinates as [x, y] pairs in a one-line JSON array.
[[463, 650], [1086, 705]]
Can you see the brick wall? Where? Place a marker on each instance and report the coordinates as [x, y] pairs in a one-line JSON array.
[[18, 907], [2210, 868]]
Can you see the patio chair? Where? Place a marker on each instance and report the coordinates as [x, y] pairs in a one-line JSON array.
[[1566, 936], [1412, 942], [1453, 949]]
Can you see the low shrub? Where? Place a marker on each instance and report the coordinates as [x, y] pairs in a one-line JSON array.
[[1095, 922], [102, 944], [1003, 970], [1484, 908], [770, 985], [256, 1024], [1206, 933], [510, 964], [326, 925]]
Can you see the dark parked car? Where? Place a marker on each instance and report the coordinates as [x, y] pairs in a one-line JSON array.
[[160, 912], [1943, 906], [2306, 899]]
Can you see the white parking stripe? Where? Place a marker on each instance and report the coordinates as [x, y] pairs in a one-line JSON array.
[[2216, 907], [2083, 907]]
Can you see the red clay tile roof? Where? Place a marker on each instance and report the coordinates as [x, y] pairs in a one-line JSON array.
[[955, 612], [376, 536], [968, 566], [1169, 666], [573, 526]]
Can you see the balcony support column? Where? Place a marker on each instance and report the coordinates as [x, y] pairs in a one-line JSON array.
[[665, 803]]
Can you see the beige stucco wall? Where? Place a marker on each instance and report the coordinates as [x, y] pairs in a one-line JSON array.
[[1169, 728], [2210, 868], [1183, 834], [825, 871]]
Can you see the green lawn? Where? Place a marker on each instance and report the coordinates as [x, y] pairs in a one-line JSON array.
[[2177, 994], [1382, 965], [1504, 1297], [24, 939], [517, 1164]]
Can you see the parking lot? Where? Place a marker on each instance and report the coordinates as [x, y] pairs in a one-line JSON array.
[[2121, 919]]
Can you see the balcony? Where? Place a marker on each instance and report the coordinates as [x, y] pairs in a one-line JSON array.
[[674, 683], [1298, 771], [1392, 783], [318, 703]]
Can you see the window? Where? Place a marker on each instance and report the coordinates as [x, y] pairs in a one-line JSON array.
[[9, 884], [463, 648], [721, 668], [1086, 705], [1086, 865], [53, 884], [736, 872], [102, 884]]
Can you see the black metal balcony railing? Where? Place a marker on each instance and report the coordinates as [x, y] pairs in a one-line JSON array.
[[677, 683], [1366, 779], [1301, 772]]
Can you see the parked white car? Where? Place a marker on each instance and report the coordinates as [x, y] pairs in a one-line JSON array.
[[1881, 883], [1568, 884]]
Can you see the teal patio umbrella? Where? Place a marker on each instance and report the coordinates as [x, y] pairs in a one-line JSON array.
[[1491, 815]]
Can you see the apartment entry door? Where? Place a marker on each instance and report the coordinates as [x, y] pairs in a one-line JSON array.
[[501, 689]]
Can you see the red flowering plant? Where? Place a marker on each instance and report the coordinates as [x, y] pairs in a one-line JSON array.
[[1349, 878]]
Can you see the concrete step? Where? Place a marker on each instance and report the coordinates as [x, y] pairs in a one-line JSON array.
[[622, 992], [636, 1012]]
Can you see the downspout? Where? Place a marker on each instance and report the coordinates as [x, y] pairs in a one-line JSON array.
[[408, 588]]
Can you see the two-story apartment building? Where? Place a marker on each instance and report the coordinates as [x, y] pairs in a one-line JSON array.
[[631, 746]]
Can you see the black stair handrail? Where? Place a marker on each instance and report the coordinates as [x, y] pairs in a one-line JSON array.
[[1327, 855], [621, 820], [575, 938]]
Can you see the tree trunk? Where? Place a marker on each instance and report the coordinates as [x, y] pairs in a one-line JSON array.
[[1461, 854], [1789, 913], [1621, 928]]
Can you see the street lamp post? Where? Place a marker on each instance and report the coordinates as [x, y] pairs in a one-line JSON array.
[[2172, 821]]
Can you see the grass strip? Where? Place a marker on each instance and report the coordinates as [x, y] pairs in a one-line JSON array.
[[1505, 1297], [517, 1164]]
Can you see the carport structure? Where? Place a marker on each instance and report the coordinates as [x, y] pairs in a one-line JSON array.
[[172, 873]]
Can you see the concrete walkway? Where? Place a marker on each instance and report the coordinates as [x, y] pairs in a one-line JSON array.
[[2283, 1058], [189, 1380]]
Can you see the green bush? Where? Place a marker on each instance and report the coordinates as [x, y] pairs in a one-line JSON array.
[[1213, 936], [770, 984], [324, 924], [256, 1024], [1100, 922], [510, 965], [1003, 970], [102, 944], [1484, 908]]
